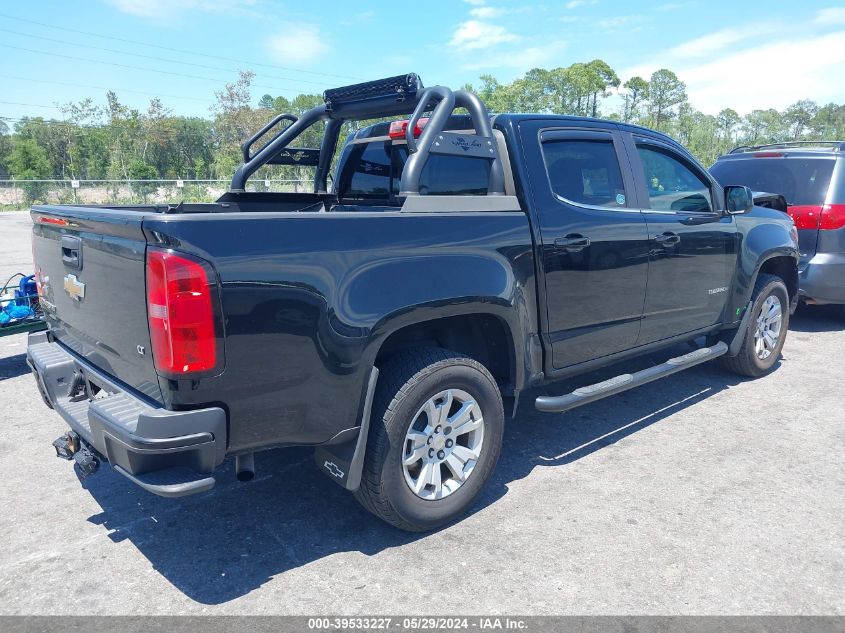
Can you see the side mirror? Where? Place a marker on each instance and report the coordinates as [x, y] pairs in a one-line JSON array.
[[738, 199]]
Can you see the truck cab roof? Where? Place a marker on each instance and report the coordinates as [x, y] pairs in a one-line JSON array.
[[463, 122]]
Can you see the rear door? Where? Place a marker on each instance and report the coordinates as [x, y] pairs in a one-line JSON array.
[[692, 244], [801, 178], [92, 268], [594, 241]]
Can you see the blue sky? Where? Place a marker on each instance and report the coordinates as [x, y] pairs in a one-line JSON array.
[[751, 54]]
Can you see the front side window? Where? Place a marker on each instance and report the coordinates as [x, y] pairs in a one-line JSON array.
[[585, 172], [672, 186]]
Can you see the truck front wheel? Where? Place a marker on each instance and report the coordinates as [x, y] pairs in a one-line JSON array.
[[766, 332], [435, 436]]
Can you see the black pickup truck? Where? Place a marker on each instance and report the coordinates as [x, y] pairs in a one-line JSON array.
[[441, 267]]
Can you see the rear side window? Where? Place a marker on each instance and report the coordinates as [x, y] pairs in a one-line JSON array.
[[802, 181], [585, 172], [445, 175], [367, 171], [373, 170], [671, 185]]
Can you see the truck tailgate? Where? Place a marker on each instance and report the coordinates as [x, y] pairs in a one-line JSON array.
[[92, 268]]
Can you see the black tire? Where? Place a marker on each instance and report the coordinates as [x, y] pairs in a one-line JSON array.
[[406, 382], [747, 363]]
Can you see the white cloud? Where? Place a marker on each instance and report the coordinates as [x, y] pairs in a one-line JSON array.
[[619, 21], [770, 75], [707, 45], [476, 34], [487, 12], [520, 60], [299, 44], [574, 4], [830, 17], [168, 8], [475, 3]]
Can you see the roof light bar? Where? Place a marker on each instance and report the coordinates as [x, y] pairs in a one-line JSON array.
[[399, 88]]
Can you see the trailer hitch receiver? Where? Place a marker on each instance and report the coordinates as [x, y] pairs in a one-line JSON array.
[[86, 462], [66, 445]]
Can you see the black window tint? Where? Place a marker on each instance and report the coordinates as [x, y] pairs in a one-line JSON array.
[[366, 171], [445, 175], [373, 171], [799, 180], [672, 186], [585, 171]]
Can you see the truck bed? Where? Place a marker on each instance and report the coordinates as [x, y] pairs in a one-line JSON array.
[[306, 298]]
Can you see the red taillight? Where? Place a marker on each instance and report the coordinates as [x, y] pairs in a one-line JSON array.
[[805, 216], [48, 220], [767, 154], [832, 217], [398, 128], [181, 314]]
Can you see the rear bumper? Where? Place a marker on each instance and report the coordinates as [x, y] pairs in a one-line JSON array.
[[169, 453], [822, 279]]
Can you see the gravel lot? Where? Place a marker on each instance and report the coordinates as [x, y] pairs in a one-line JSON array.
[[700, 494]]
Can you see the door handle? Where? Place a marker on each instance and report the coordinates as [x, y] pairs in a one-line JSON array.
[[72, 251], [572, 243], [668, 239]]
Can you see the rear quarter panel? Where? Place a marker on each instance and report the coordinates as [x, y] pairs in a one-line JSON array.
[[308, 298]]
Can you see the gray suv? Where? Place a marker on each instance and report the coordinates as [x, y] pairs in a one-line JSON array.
[[811, 177]]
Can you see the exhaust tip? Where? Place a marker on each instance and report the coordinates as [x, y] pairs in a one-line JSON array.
[[245, 467]]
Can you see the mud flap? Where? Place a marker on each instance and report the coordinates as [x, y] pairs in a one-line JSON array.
[[336, 460], [343, 460], [738, 339]]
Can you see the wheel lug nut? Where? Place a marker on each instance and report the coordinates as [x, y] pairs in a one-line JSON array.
[[449, 443], [431, 452], [429, 440], [448, 430], [438, 429], [440, 454]]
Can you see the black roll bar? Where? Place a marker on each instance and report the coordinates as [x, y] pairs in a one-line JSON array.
[[434, 140], [252, 139], [382, 99], [330, 136], [274, 146]]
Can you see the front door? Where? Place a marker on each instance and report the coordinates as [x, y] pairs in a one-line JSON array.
[[692, 243], [594, 249]]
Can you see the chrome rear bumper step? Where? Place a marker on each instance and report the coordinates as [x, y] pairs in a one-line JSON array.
[[618, 384]]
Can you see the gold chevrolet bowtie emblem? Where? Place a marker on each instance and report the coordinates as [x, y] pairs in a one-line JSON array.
[[74, 287]]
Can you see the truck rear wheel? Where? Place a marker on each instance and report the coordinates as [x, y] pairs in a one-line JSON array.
[[435, 436], [766, 331]]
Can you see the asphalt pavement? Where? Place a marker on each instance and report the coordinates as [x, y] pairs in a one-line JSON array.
[[703, 493]]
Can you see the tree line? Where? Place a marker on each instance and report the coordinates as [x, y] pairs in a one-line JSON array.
[[116, 142], [660, 102]]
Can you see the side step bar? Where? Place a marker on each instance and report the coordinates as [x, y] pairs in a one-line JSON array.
[[590, 393]]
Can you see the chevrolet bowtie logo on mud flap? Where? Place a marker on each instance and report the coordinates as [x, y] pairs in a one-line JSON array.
[[74, 287], [334, 470], [464, 144]]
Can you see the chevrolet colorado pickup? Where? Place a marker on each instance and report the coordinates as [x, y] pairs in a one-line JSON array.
[[449, 264]]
